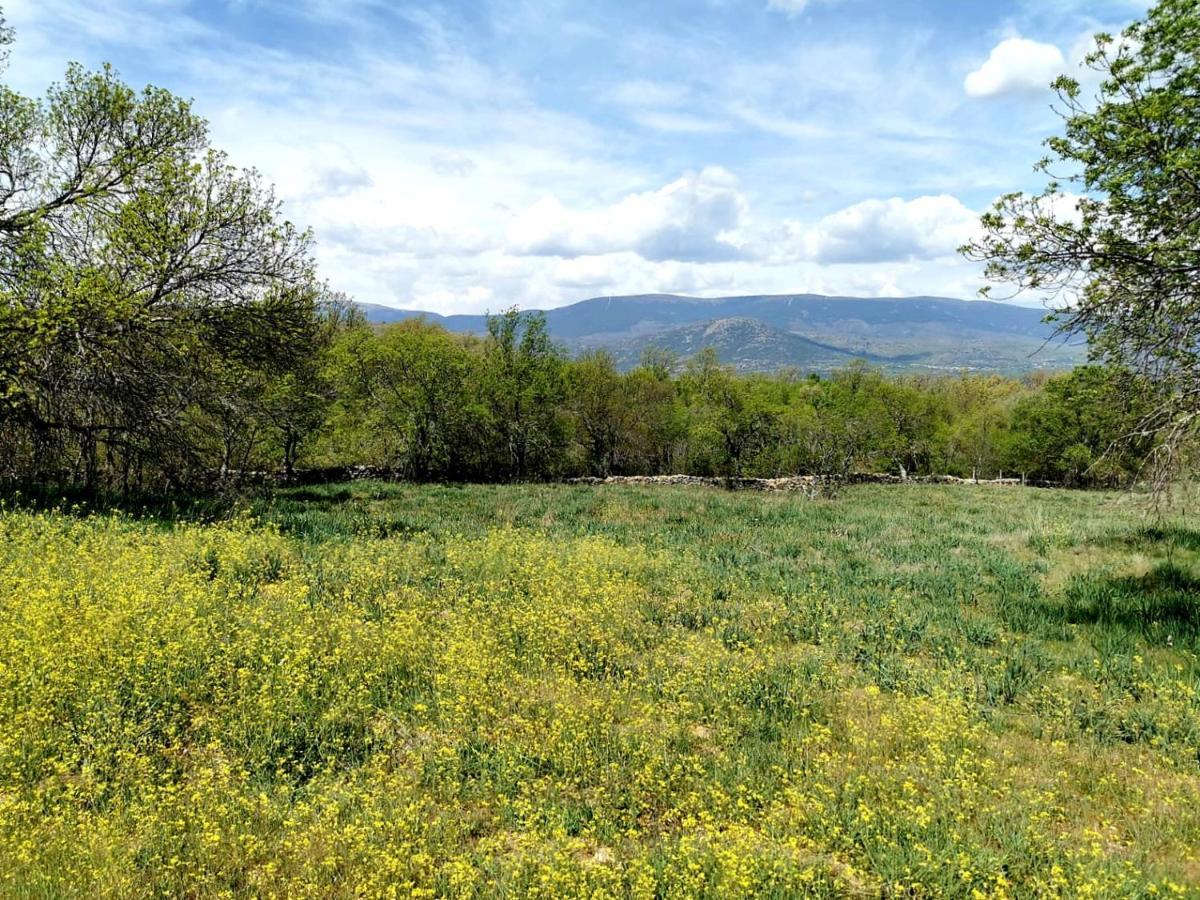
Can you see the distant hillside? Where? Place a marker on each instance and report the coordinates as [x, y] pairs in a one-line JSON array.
[[747, 344], [807, 331]]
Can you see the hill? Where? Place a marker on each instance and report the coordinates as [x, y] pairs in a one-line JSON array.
[[913, 333], [748, 345]]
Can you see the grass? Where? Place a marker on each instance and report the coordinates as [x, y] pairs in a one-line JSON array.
[[394, 690]]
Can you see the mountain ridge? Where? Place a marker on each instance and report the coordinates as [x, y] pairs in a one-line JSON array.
[[919, 333]]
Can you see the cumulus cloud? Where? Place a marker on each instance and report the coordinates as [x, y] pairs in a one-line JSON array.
[[694, 218], [892, 230], [1016, 65]]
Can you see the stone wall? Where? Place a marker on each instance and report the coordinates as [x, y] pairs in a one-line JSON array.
[[807, 484]]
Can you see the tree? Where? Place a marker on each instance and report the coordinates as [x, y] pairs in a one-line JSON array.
[[854, 424], [143, 278], [971, 435], [6, 37], [1115, 240], [1072, 430], [297, 402], [407, 387], [523, 389], [657, 428], [600, 410]]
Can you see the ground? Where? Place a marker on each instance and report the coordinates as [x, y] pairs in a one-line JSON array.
[[385, 690]]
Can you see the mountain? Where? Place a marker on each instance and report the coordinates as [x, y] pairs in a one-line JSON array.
[[807, 331], [748, 345]]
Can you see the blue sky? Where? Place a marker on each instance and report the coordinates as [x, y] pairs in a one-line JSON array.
[[473, 155]]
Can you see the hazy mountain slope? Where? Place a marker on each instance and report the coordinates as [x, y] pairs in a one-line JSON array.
[[747, 344], [924, 332]]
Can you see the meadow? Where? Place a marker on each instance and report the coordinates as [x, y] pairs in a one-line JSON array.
[[557, 691]]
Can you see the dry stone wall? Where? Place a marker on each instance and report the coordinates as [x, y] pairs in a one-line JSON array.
[[808, 484]]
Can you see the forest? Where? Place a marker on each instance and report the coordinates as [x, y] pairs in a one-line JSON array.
[[422, 404]]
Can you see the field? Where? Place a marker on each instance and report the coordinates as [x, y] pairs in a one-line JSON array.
[[383, 690]]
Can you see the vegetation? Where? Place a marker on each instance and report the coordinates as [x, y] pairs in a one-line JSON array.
[[162, 329], [384, 690], [156, 313], [1123, 253], [431, 405], [519, 690], [426, 405]]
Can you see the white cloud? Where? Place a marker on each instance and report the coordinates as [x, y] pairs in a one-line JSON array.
[[892, 230], [678, 123], [694, 218], [1016, 65], [337, 179], [593, 272]]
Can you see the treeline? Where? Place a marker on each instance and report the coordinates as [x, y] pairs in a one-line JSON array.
[[511, 406]]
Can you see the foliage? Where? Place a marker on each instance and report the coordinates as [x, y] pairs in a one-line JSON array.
[[432, 405], [1077, 428], [1123, 252], [551, 691], [150, 292], [523, 388]]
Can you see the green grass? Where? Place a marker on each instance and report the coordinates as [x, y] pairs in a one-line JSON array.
[[1075, 572], [554, 690], [1023, 588], [1058, 565]]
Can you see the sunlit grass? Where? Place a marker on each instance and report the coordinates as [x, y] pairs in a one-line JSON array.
[[385, 690]]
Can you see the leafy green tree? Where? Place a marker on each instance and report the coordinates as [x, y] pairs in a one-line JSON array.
[[600, 411], [731, 418], [657, 424], [853, 426], [406, 385], [296, 402], [1075, 429], [910, 418], [1117, 240], [523, 390], [970, 432], [138, 268], [660, 362]]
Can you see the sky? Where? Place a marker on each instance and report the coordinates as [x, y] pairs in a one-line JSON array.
[[475, 155]]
